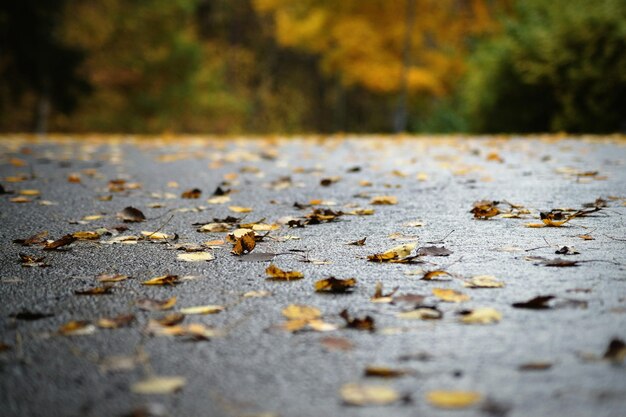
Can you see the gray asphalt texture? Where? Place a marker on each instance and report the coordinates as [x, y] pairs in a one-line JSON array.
[[259, 369]]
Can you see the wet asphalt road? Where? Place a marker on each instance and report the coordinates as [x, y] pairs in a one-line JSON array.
[[258, 369]]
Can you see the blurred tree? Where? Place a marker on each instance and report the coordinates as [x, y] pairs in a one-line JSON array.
[[558, 65], [37, 70], [387, 48]]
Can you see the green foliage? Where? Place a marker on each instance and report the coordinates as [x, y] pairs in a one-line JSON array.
[[558, 65]]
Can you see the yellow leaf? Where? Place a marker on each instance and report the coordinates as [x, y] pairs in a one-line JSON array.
[[450, 296], [275, 273], [155, 235], [362, 394], [159, 385], [239, 209], [207, 309], [535, 225], [336, 285], [195, 256], [482, 315], [384, 200], [484, 281], [30, 193], [301, 312], [77, 328], [86, 235], [220, 199], [162, 280], [423, 313], [452, 399]]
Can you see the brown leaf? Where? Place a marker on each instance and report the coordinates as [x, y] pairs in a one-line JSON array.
[[36, 239], [275, 273], [123, 320], [616, 351], [383, 372], [380, 297], [364, 323], [485, 209], [64, 241], [32, 261], [105, 289], [163, 280], [435, 275], [360, 242], [192, 193], [337, 343], [244, 244], [537, 303], [451, 296], [150, 304], [111, 277], [76, 328], [131, 215], [384, 200], [535, 366], [433, 251], [335, 285]]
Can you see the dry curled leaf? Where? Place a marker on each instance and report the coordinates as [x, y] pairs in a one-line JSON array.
[[485, 209], [163, 280], [397, 254], [36, 239], [214, 228], [275, 273], [64, 241], [380, 297], [435, 275], [244, 244], [452, 399], [335, 285], [360, 242], [131, 215]]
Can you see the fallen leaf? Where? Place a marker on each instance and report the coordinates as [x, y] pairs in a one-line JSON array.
[[335, 285], [77, 328], [159, 385], [365, 323], [163, 280], [380, 297], [481, 315], [275, 273], [105, 289], [586, 237], [214, 228], [361, 394], [86, 235], [421, 313], [384, 200], [64, 241], [115, 322], [433, 251], [452, 399], [337, 343], [30, 315], [150, 304], [206, 309], [451, 296], [36, 239], [257, 294], [567, 250], [244, 244], [615, 351], [32, 261], [360, 242], [192, 193], [195, 257], [111, 277], [395, 254], [485, 209], [535, 366], [131, 215], [301, 312], [383, 371], [239, 209], [155, 235], [435, 275], [170, 319], [537, 303], [483, 281]]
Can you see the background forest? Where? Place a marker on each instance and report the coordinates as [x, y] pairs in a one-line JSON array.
[[288, 66]]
